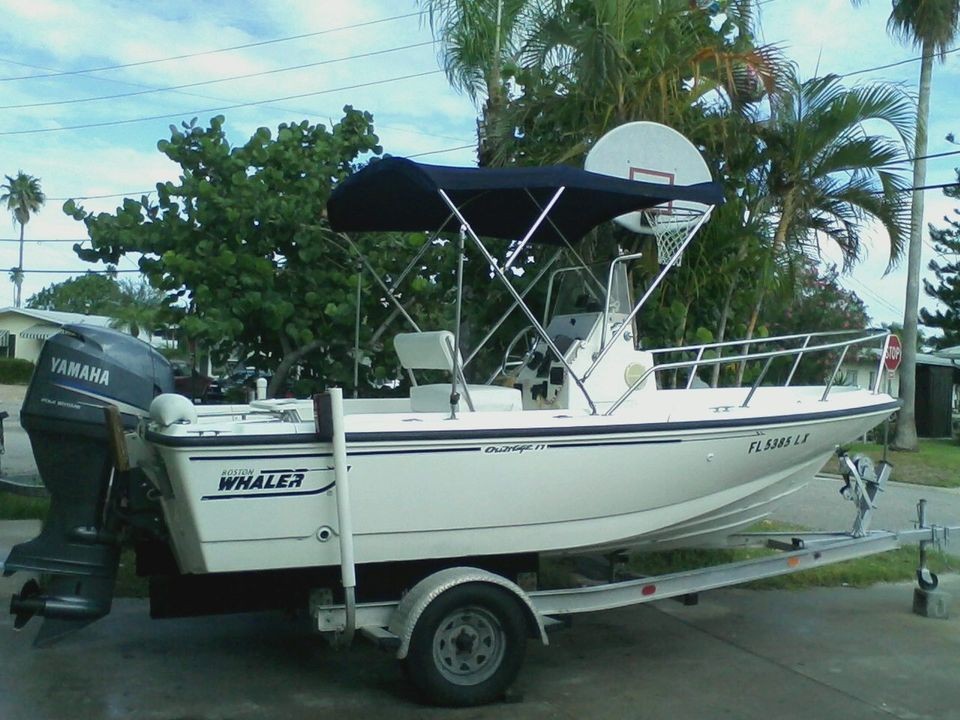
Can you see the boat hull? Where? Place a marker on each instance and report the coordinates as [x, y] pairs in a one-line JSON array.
[[270, 503]]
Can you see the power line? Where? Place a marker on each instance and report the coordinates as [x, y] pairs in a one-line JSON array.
[[151, 192], [922, 157], [414, 155], [234, 106], [101, 197], [221, 99], [44, 240], [941, 186], [437, 152], [207, 96], [75, 272], [895, 64], [247, 76], [62, 73], [876, 296]]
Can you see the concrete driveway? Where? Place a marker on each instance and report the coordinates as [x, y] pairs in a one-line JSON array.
[[823, 653]]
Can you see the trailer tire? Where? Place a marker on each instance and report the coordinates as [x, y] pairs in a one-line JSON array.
[[467, 646]]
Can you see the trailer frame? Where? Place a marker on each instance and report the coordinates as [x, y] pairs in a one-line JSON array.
[[456, 630]]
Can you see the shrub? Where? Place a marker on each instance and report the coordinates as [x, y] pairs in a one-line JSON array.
[[14, 371]]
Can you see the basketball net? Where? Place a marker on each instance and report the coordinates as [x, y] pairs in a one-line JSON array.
[[670, 229]]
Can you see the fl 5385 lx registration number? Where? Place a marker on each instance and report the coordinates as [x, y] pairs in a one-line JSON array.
[[778, 443]]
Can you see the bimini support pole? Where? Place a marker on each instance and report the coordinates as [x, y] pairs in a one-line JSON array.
[[328, 411], [356, 334], [491, 261], [455, 350]]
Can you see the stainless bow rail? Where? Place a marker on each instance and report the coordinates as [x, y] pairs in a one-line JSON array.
[[809, 343]]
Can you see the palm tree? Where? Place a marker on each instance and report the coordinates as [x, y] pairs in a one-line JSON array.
[[591, 65], [477, 42], [825, 174], [931, 26], [23, 197]]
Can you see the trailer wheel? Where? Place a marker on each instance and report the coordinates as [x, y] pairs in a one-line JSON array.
[[467, 646]]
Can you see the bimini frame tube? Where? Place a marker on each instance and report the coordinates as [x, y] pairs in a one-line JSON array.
[[516, 296], [503, 318]]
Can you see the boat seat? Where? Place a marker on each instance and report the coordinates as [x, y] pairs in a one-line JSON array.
[[486, 398], [434, 351]]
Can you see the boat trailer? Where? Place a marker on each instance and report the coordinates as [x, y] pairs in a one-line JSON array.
[[461, 632]]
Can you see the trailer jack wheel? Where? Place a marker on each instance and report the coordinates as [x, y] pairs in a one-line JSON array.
[[467, 646], [927, 580]]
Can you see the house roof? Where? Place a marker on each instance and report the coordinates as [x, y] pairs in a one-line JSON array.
[[937, 359], [55, 317]]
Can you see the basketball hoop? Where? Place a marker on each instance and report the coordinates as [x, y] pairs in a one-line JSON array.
[[654, 153]]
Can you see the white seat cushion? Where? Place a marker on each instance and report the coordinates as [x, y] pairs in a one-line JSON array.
[[486, 398]]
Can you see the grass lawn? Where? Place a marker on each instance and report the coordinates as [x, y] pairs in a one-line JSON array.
[[894, 566], [937, 462], [20, 507]]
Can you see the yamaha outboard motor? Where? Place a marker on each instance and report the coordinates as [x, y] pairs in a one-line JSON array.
[[80, 371]]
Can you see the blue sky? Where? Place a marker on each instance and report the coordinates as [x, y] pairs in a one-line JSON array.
[[399, 81]]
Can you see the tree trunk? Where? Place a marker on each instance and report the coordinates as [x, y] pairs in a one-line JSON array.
[[906, 435], [722, 325], [779, 240], [19, 270], [493, 107], [290, 358]]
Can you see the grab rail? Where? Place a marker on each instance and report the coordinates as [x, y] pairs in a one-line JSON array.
[[805, 349]]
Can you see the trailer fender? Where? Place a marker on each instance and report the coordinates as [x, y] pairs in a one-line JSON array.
[[411, 607]]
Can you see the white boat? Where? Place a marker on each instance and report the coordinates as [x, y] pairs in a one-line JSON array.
[[584, 451], [595, 442]]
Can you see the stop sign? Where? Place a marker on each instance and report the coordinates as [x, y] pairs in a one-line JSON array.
[[891, 359]]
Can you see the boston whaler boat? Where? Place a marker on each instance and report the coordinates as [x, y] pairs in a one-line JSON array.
[[247, 507]]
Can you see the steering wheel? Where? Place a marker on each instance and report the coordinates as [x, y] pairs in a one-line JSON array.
[[513, 361]]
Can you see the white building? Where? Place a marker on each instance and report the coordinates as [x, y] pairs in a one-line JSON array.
[[23, 330]]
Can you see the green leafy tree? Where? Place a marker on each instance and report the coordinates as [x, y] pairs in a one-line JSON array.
[[91, 294], [24, 198], [133, 305], [140, 307], [931, 26], [588, 66], [946, 242], [240, 247]]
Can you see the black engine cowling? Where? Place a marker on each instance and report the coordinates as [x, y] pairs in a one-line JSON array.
[[80, 371]]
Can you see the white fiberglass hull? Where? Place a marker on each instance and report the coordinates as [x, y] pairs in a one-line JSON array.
[[251, 494]]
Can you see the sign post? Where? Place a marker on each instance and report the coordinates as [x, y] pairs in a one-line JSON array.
[[892, 355]]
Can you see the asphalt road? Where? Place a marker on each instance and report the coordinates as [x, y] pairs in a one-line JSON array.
[[819, 506]]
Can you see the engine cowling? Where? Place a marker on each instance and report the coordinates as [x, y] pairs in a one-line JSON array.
[[80, 371]]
